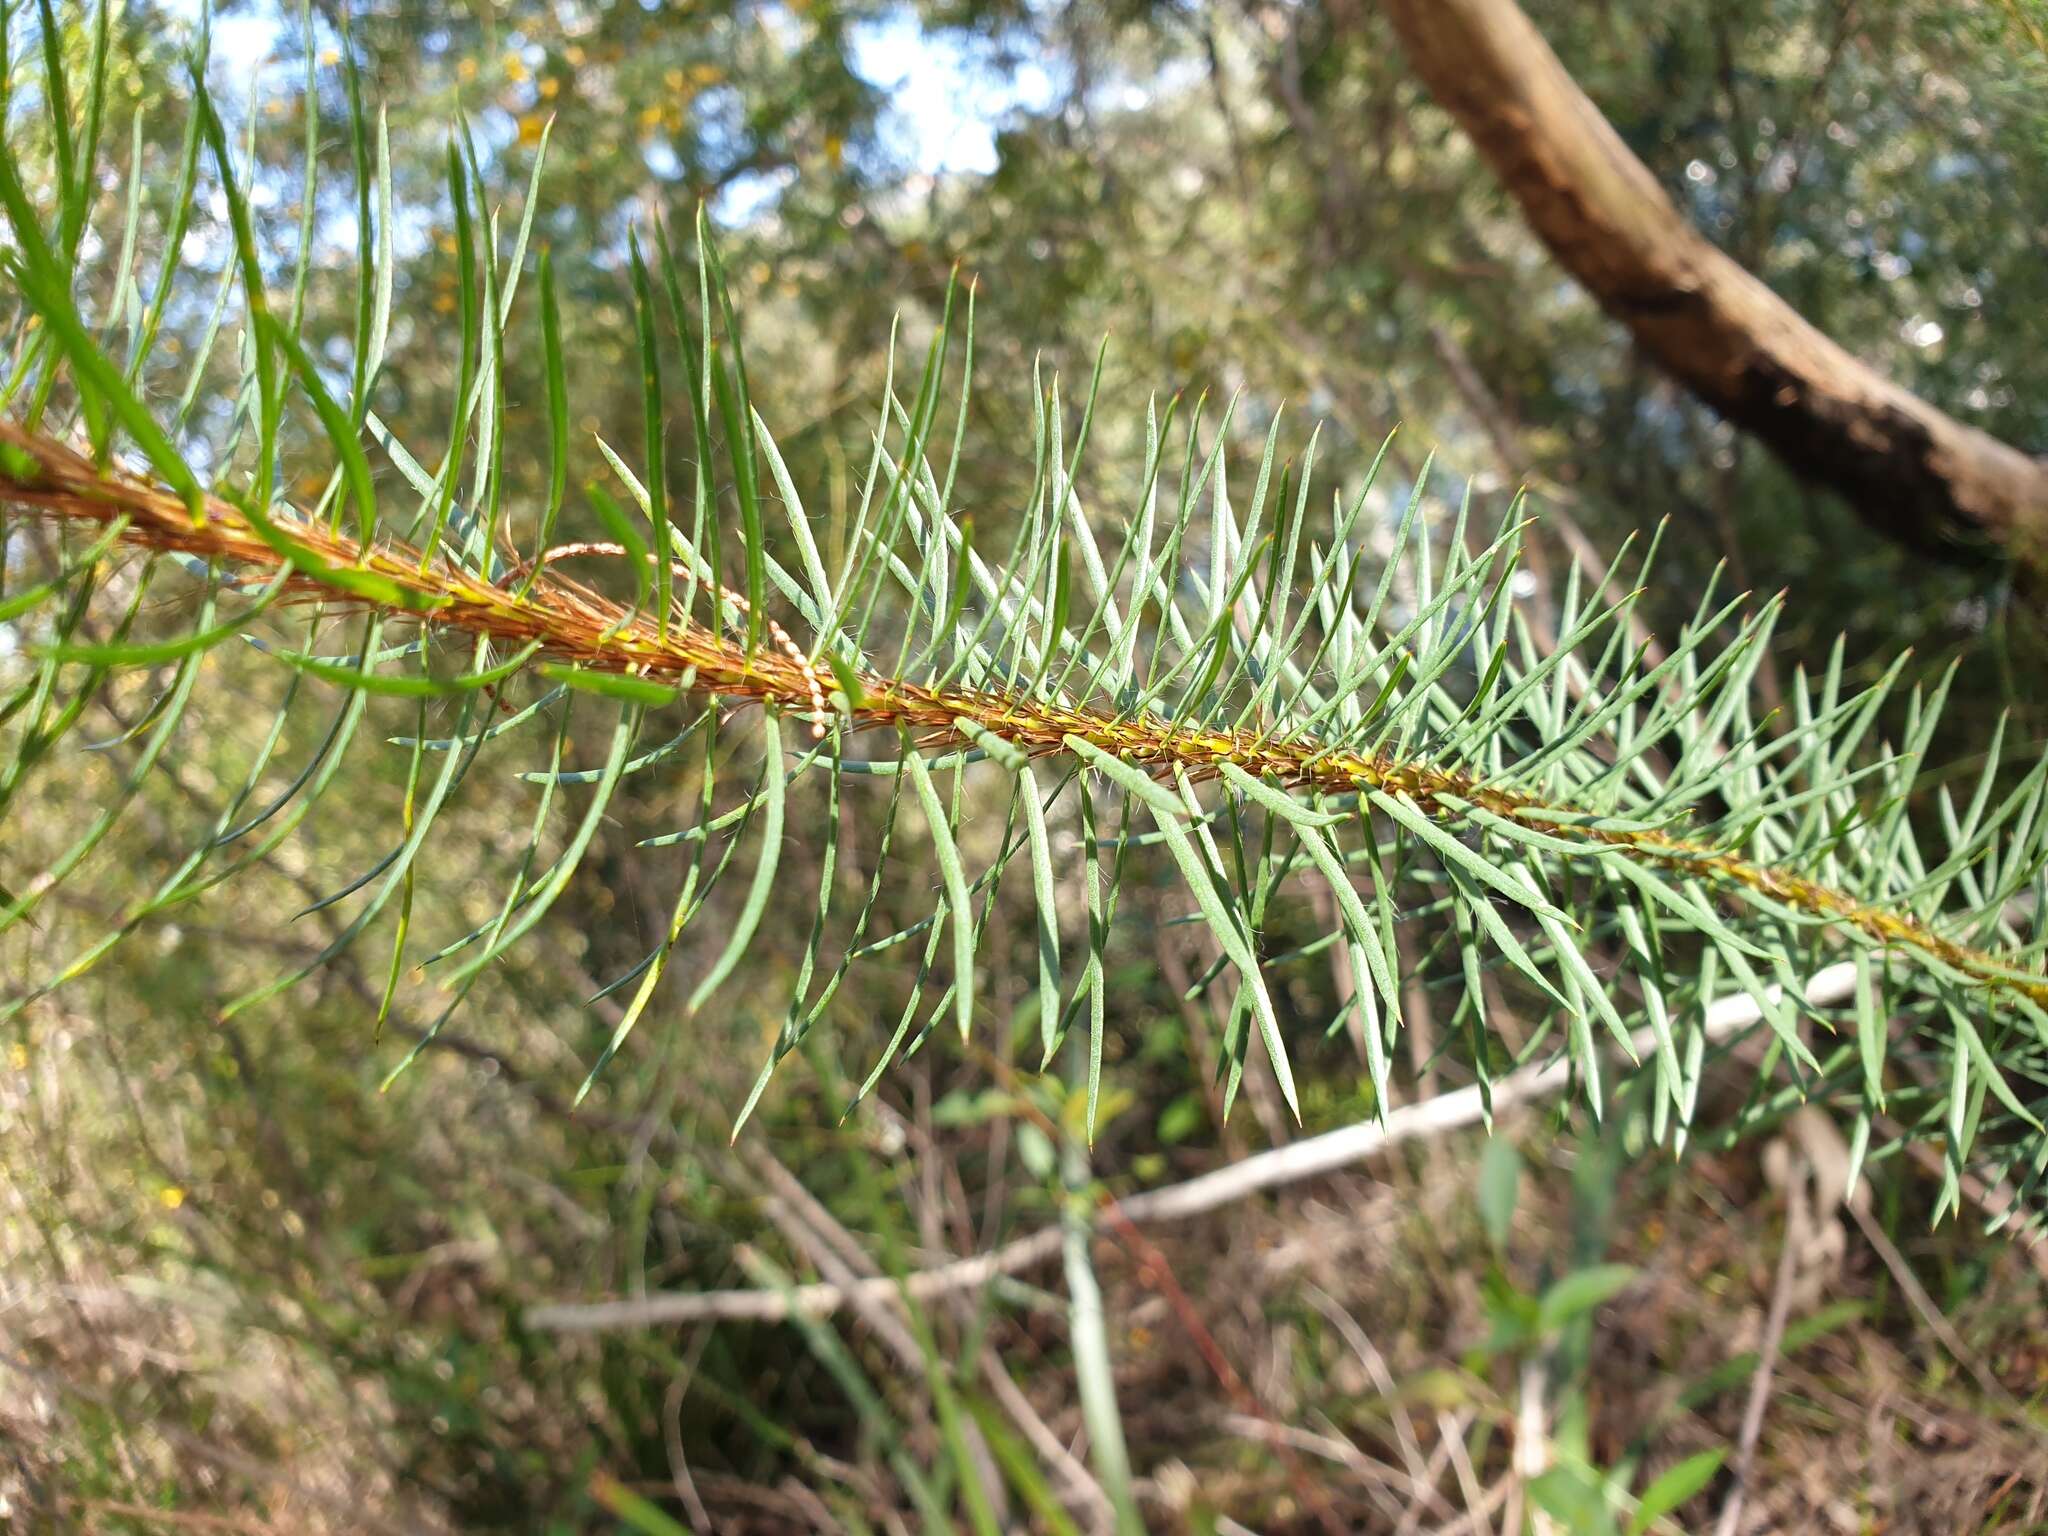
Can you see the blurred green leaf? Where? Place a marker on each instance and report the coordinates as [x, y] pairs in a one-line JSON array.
[[1579, 1293], [1674, 1486], [1500, 1176]]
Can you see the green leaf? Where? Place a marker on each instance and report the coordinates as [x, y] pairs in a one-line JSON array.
[[342, 432], [622, 531], [639, 1514], [613, 685], [1045, 898], [1183, 1117], [555, 372], [654, 427], [799, 525], [1872, 1030], [1407, 814], [1580, 1292], [1674, 1486], [1574, 1496], [1500, 1176], [1370, 969], [1020, 1469], [135, 653], [735, 405], [1202, 881], [764, 869], [954, 881], [1296, 813], [103, 386], [848, 679], [409, 687]]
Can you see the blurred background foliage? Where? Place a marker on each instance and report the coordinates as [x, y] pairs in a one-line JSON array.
[[242, 1282]]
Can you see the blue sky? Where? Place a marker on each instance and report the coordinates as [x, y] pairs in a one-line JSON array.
[[949, 95]]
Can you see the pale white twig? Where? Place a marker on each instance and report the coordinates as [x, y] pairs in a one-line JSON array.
[[1767, 1355], [1306, 1159], [1532, 1438], [1451, 1432], [1382, 1380]]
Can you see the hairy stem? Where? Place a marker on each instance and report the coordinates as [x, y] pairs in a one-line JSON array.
[[572, 623]]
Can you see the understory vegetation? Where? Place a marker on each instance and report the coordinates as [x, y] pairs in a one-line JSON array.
[[671, 857]]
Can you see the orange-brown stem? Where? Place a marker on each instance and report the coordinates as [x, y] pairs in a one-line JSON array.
[[573, 623]]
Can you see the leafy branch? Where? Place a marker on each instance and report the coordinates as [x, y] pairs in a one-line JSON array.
[[557, 621], [1608, 830]]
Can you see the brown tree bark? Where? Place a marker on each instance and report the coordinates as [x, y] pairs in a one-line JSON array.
[[1908, 469]]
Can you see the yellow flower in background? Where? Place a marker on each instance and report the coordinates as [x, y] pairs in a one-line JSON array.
[[530, 129], [170, 1197], [706, 74], [549, 86], [515, 69], [466, 70], [17, 1056]]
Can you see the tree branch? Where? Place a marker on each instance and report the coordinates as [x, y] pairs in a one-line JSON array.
[[1909, 470]]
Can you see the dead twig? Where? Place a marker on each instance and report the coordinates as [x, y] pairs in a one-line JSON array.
[[1306, 1159], [1923, 1304], [1767, 1354]]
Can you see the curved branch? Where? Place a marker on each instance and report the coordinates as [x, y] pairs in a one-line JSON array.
[[1909, 470]]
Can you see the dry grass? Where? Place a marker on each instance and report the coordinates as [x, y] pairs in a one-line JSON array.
[[1254, 1350]]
